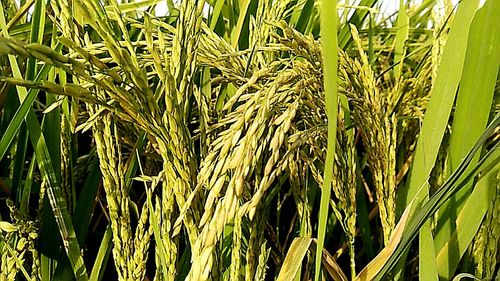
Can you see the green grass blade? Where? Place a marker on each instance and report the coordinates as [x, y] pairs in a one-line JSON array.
[[305, 16], [468, 223], [22, 31], [37, 22], [294, 257], [454, 183], [216, 13], [237, 30], [485, 166], [56, 199], [427, 269], [481, 64], [82, 216], [171, 8], [51, 129], [441, 102], [102, 256], [20, 158], [402, 31], [26, 192], [330, 53], [21, 113], [371, 53], [436, 119], [23, 9], [438, 112]]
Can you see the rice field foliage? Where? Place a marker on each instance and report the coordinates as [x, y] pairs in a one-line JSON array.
[[249, 140]]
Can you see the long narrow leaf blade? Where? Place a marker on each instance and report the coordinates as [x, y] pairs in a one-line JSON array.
[[473, 103], [330, 53]]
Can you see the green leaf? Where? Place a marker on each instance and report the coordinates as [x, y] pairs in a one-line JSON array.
[[329, 45], [102, 256], [237, 30], [427, 269], [20, 158], [27, 100], [216, 13], [402, 31], [294, 257], [474, 101], [454, 183], [468, 223], [441, 102], [37, 22], [436, 117], [305, 16], [26, 192]]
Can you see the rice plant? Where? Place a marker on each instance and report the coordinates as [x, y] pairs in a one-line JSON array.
[[249, 140]]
